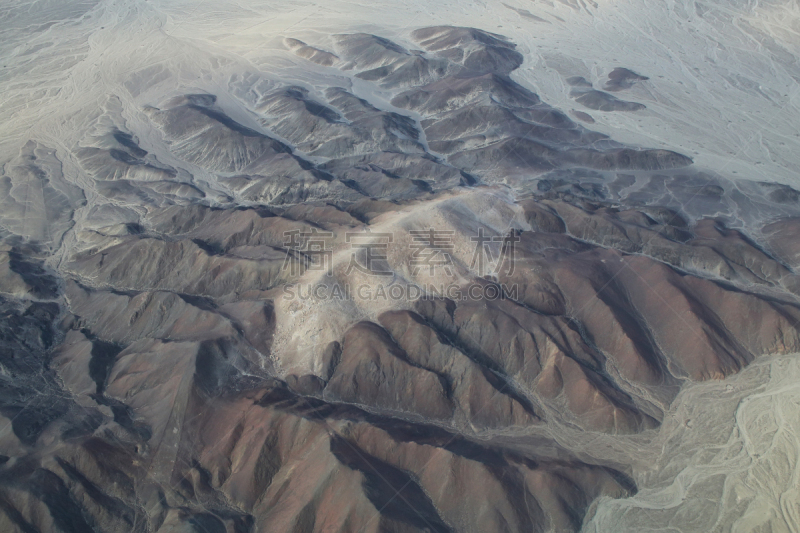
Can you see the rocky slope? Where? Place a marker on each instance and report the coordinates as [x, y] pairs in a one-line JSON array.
[[162, 371]]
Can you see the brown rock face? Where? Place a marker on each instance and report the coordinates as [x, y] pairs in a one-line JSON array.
[[374, 370], [172, 357]]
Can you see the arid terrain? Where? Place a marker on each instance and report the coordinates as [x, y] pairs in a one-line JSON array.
[[273, 269]]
